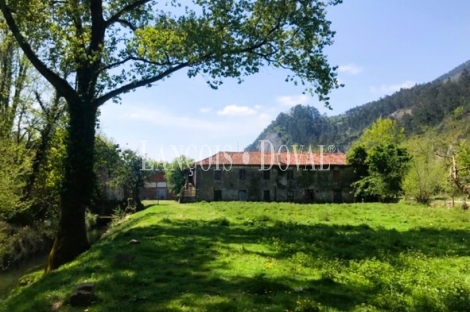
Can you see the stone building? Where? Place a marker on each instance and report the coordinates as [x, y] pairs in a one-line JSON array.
[[257, 176]]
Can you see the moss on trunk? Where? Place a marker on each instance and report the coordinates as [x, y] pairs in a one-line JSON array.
[[71, 239]]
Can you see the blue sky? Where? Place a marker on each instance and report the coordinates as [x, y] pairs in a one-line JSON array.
[[380, 47]]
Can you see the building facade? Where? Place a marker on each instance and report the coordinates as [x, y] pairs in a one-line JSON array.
[[256, 176], [156, 187]]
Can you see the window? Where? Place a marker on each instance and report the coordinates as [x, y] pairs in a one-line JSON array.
[[267, 195], [290, 174], [217, 195], [266, 174], [242, 174], [217, 174], [290, 195], [337, 196], [242, 195], [336, 175], [309, 195]]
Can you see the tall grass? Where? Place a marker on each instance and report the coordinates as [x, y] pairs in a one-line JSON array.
[[241, 256]]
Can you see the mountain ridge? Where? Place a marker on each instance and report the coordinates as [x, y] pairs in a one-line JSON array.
[[417, 108]]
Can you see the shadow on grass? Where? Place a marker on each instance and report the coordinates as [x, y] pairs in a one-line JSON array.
[[187, 265]]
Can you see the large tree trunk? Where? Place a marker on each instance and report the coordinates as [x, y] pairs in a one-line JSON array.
[[71, 239]]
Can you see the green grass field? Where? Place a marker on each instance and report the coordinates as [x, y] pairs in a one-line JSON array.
[[241, 256]]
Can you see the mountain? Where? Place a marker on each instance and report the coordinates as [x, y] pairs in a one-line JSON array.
[[456, 72], [442, 105]]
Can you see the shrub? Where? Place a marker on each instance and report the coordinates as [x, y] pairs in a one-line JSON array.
[[90, 220], [117, 216]]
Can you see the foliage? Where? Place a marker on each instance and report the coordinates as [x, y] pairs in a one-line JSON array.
[[93, 52], [463, 158], [48, 182], [23, 138], [378, 161], [387, 166], [215, 39], [460, 168], [118, 216], [302, 124], [175, 173], [442, 104], [365, 257], [18, 244], [30, 158], [109, 169], [356, 157], [15, 162], [90, 219], [382, 131], [427, 174], [130, 176]]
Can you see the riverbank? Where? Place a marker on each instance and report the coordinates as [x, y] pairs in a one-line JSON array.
[[243, 256], [19, 244], [10, 278]]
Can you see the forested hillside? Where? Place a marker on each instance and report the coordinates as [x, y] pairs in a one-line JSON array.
[[443, 105]]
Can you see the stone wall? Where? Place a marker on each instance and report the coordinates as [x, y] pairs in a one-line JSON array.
[[332, 184]]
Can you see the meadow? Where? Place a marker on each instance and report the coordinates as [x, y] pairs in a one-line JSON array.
[[241, 256]]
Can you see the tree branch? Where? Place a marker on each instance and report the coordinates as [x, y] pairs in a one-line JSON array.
[[133, 58], [126, 23], [126, 88], [112, 65], [61, 85], [97, 25], [40, 102], [131, 6], [134, 85], [73, 11]]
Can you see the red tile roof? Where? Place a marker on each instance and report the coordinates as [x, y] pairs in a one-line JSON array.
[[284, 159]]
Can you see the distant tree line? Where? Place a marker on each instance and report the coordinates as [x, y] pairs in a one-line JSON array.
[[415, 109]]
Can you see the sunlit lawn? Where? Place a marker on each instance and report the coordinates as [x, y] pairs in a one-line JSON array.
[[242, 256]]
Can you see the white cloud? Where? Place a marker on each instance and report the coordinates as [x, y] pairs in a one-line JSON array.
[[292, 100], [386, 89], [201, 125], [350, 68], [162, 128], [234, 110], [204, 110]]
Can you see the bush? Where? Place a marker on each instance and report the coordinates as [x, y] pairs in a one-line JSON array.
[[117, 216], [21, 243], [90, 220]]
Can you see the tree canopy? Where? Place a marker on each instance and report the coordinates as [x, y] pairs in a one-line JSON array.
[[117, 46], [175, 173], [427, 173], [379, 162], [95, 51]]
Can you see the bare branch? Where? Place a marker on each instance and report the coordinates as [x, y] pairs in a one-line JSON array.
[[40, 102]]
